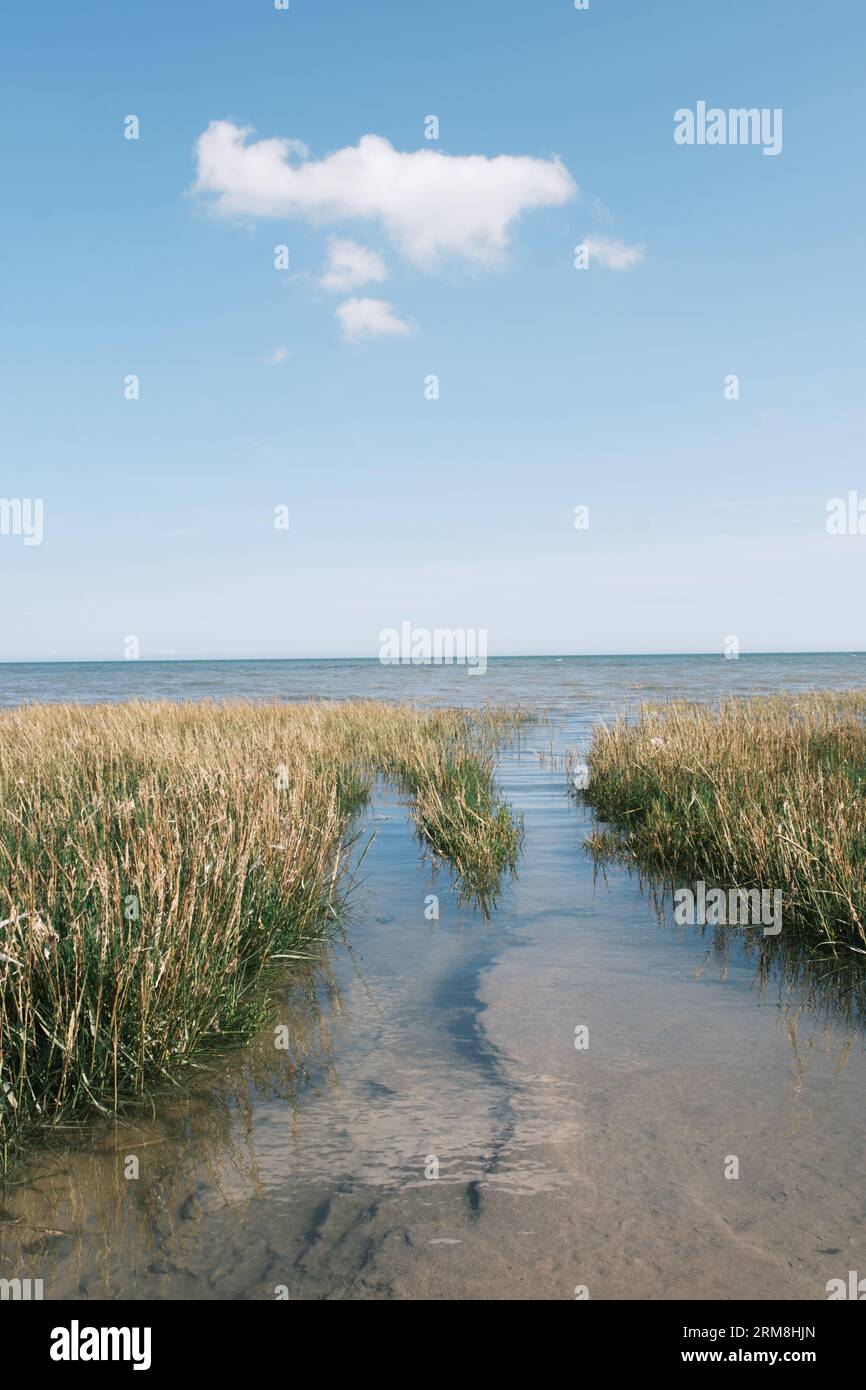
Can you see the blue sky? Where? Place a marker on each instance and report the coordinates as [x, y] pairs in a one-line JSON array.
[[558, 387]]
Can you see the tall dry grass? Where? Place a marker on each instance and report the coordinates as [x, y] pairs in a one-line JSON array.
[[762, 792], [156, 858]]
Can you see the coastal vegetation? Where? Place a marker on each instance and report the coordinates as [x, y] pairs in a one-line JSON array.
[[157, 859], [759, 792]]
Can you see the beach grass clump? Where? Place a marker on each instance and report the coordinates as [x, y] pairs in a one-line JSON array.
[[156, 858], [458, 811], [762, 792]]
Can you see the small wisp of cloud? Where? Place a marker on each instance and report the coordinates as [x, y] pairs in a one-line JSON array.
[[612, 253], [351, 265], [362, 318]]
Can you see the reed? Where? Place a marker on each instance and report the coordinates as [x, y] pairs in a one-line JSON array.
[[759, 792], [156, 858]]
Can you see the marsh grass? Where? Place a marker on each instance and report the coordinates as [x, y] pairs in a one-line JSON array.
[[156, 858], [760, 792]]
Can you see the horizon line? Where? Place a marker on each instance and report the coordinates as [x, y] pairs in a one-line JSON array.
[[511, 656]]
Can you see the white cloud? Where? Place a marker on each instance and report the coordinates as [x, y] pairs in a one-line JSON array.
[[428, 203], [274, 358], [369, 318], [350, 265], [616, 255]]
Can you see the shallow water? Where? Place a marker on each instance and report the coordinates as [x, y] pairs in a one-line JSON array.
[[309, 1171]]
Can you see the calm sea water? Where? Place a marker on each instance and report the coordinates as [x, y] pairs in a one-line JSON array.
[[432, 1132], [556, 683]]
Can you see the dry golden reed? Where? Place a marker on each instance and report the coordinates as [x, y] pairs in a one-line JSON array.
[[155, 858], [761, 792]]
